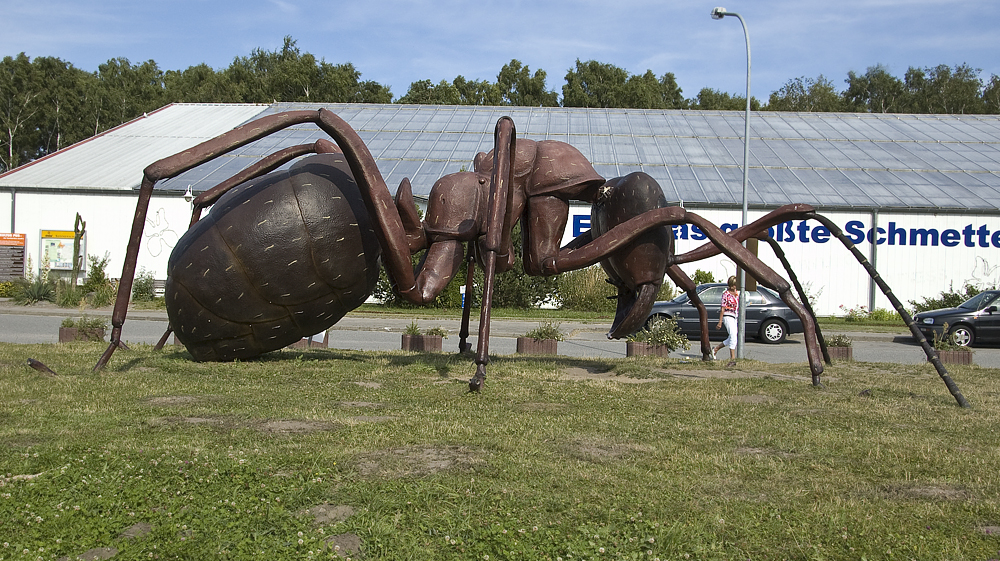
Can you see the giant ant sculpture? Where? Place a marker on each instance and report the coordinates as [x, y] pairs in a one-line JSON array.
[[287, 254]]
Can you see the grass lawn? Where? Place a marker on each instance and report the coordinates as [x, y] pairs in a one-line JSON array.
[[328, 454]]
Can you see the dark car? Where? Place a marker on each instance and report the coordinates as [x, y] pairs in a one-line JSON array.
[[975, 320], [767, 317]]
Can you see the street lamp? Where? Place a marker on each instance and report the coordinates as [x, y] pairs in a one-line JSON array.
[[719, 13]]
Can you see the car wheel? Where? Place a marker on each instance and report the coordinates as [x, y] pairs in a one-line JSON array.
[[773, 331], [962, 335]]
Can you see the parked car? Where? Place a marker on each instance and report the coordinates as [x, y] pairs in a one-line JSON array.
[[767, 317], [975, 320]]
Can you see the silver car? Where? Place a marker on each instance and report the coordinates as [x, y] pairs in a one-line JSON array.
[[767, 316]]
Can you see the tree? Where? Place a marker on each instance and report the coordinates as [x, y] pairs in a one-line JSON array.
[[806, 94], [648, 92], [62, 105], [517, 86], [425, 93], [944, 90], [18, 104], [710, 99], [199, 84], [876, 91], [128, 90], [476, 92], [595, 84], [287, 74], [991, 96]]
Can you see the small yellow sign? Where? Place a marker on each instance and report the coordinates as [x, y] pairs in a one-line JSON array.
[[58, 234]]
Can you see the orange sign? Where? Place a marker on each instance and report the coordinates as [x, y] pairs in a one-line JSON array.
[[13, 239]]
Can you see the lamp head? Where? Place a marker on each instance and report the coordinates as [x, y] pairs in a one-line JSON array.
[[718, 13], [188, 195]]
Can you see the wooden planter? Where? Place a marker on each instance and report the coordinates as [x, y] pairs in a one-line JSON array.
[[532, 346], [954, 357], [841, 353], [421, 342], [638, 348], [67, 334]]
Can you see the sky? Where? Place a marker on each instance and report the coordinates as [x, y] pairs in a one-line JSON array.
[[397, 42]]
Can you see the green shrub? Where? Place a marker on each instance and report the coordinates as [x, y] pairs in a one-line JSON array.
[[945, 341], [98, 288], [661, 332], [143, 287], [437, 330], [587, 290], [412, 329], [884, 315], [85, 322], [67, 295], [30, 292], [839, 340], [702, 277], [546, 330], [7, 289], [947, 299]]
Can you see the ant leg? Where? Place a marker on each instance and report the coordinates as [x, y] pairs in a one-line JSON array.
[[683, 281]]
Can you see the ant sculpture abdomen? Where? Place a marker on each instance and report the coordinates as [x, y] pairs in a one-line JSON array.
[[279, 258]]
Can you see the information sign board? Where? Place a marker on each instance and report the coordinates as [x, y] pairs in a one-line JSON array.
[[57, 247], [12, 252]]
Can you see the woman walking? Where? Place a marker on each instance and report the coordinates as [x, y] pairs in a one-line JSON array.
[[730, 307]]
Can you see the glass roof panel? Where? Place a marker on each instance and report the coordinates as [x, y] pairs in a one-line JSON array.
[[688, 186], [625, 150]]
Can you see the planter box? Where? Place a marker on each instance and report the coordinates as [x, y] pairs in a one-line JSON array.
[[67, 334], [638, 348], [841, 353], [532, 346], [954, 357], [421, 342]]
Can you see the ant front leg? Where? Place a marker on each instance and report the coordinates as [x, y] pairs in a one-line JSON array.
[[684, 282]]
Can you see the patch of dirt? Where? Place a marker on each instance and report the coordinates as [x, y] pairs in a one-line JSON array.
[[328, 515], [359, 404], [599, 451], [577, 373], [989, 530], [372, 385], [93, 554], [136, 530], [344, 545], [754, 399], [173, 400], [541, 406], [292, 426], [415, 461], [936, 492], [163, 421], [373, 418], [752, 451], [279, 426]]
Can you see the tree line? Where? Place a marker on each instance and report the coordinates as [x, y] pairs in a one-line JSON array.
[[47, 104]]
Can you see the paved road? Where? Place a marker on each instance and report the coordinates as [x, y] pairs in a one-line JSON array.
[[19, 324]]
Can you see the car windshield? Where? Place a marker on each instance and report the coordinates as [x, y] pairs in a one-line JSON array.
[[979, 301]]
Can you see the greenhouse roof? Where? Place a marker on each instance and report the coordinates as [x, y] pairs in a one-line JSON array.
[[834, 161]]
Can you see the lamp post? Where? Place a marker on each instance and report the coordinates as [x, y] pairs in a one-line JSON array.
[[719, 13]]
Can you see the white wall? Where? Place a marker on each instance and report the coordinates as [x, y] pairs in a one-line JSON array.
[[109, 223], [968, 253], [967, 247]]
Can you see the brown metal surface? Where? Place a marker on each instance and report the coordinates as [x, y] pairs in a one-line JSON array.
[[470, 217]]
